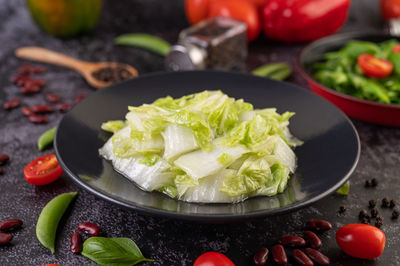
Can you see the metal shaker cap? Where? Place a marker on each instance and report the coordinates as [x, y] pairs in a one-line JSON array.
[[185, 56]]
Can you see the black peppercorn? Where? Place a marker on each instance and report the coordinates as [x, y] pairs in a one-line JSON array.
[[372, 203], [374, 182], [379, 221], [374, 212], [392, 204], [342, 209], [395, 214], [368, 183], [385, 202], [365, 220], [362, 214]]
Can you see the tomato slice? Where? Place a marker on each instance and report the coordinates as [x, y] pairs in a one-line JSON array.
[[396, 49], [375, 67], [43, 170], [213, 258]]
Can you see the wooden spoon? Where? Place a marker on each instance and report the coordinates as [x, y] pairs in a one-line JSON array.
[[86, 69]]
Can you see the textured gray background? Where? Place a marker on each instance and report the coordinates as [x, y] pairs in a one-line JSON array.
[[168, 242]]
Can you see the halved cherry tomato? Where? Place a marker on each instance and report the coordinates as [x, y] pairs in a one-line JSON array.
[[213, 258], [241, 10], [390, 9], [196, 10], [375, 67], [43, 170], [396, 49], [361, 240]]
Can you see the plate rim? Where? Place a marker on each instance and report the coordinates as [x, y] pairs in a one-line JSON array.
[[210, 218]]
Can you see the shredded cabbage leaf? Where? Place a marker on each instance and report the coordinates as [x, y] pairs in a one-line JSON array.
[[204, 147]]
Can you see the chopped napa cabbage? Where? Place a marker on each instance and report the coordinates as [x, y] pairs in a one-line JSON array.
[[125, 146], [178, 140], [204, 147], [113, 126], [199, 163], [147, 177], [254, 174], [208, 190], [150, 160]]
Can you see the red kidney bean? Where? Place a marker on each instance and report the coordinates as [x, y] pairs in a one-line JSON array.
[[34, 83], [52, 97], [261, 256], [42, 108], [318, 225], [301, 258], [27, 111], [292, 240], [38, 119], [11, 104], [26, 69], [38, 70], [312, 239], [317, 256], [76, 243], [29, 90], [80, 97], [4, 158], [1, 170], [63, 107], [5, 238], [89, 228], [279, 254], [10, 225]]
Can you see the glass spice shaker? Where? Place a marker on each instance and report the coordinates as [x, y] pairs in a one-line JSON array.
[[219, 43], [392, 27]]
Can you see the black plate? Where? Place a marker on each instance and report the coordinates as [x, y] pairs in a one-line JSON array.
[[325, 161]]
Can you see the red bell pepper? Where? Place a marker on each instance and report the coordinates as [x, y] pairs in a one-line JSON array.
[[303, 20]]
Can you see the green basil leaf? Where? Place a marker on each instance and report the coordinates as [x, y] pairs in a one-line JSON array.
[[113, 251]]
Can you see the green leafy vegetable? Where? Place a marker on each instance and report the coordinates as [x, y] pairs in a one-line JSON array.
[[203, 147], [113, 251], [150, 160], [144, 41], [345, 189], [113, 126], [340, 71], [279, 71]]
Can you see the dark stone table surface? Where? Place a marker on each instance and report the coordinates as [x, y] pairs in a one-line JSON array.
[[168, 242]]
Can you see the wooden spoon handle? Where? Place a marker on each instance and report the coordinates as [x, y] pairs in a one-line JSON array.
[[47, 56]]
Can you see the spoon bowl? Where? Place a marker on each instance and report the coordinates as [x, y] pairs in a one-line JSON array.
[[87, 69]]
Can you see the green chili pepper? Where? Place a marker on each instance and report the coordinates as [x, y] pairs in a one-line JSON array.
[[145, 41], [46, 139], [46, 227], [279, 71]]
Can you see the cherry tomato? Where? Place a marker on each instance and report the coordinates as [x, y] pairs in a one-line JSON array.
[[396, 49], [43, 170], [258, 3], [196, 10], [390, 9], [52, 264], [213, 258], [241, 10], [375, 67], [361, 240]]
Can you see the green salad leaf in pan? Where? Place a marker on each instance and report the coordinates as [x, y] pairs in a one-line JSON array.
[[362, 69]]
